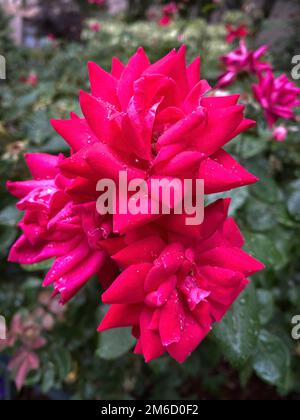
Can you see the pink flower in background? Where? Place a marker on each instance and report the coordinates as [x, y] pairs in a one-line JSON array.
[[23, 362], [170, 9], [177, 284], [26, 333], [242, 61], [181, 38], [51, 37], [95, 27], [25, 336], [278, 97], [168, 13], [234, 33], [54, 227], [30, 80], [280, 133], [97, 2], [165, 20]]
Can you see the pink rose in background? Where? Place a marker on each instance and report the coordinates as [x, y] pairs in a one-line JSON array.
[[234, 33], [170, 8], [168, 13], [278, 97], [30, 80], [95, 27], [165, 20], [240, 61], [280, 133], [176, 284]]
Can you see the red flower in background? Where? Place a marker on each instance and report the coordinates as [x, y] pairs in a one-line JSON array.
[[278, 97], [240, 61], [234, 33], [176, 284]]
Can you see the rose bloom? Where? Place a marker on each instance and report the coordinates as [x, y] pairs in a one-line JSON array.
[[178, 282], [54, 227], [277, 96], [154, 121], [242, 61]]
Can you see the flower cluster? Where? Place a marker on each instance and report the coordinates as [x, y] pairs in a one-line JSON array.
[[278, 96], [168, 13], [168, 281]]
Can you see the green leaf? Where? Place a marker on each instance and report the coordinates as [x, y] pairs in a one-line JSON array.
[[48, 377], [63, 362], [42, 266], [266, 189], [238, 199], [272, 360], [245, 374], [115, 343], [294, 200], [267, 305], [251, 146], [7, 237], [261, 217], [265, 249], [9, 216], [238, 332]]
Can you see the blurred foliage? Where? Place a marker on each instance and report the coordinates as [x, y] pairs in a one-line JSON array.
[[254, 340]]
